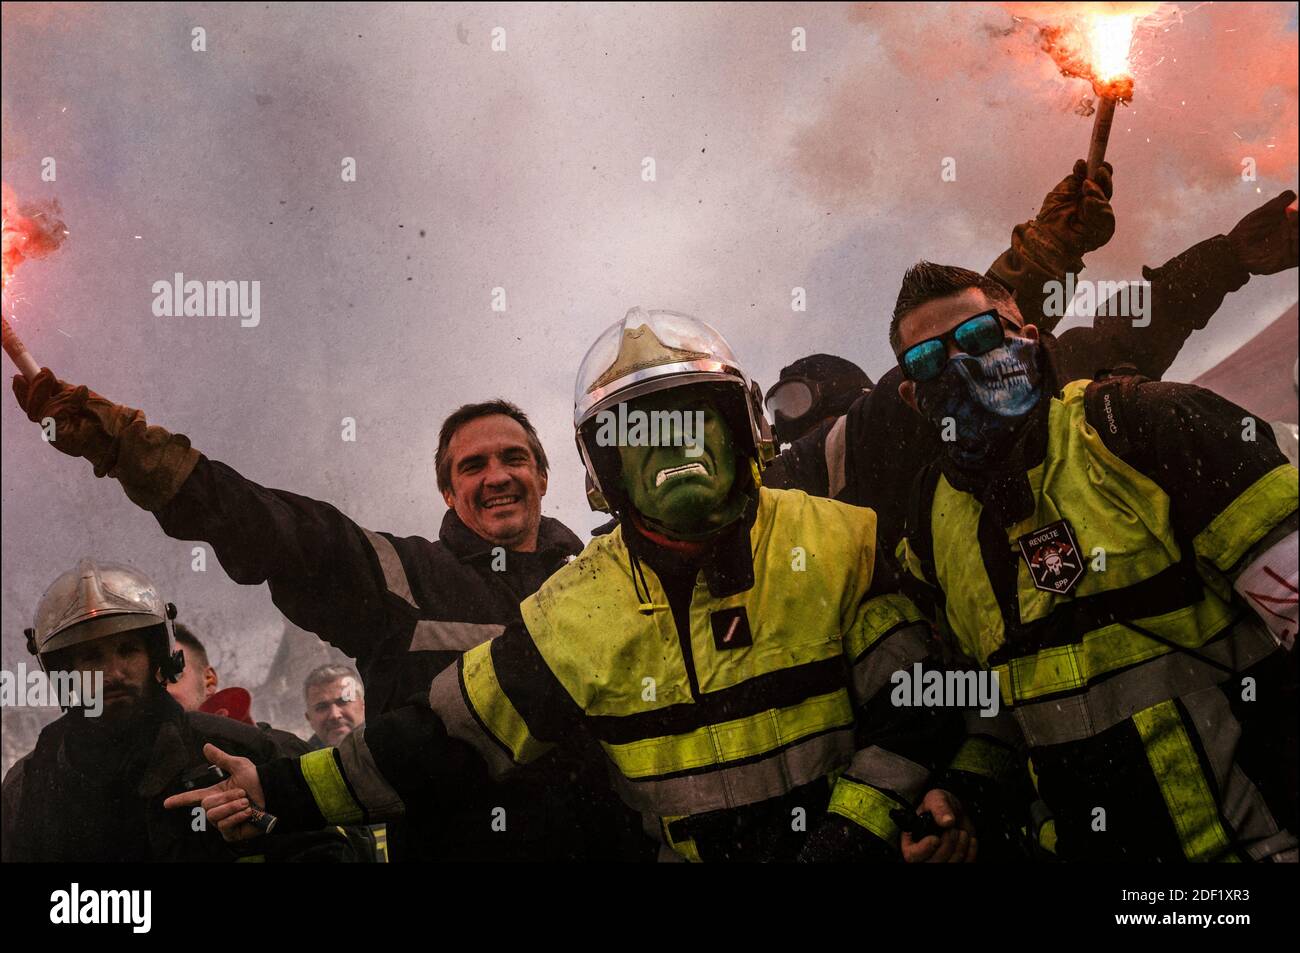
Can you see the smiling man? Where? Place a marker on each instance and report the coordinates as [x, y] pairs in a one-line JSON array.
[[403, 608], [492, 472]]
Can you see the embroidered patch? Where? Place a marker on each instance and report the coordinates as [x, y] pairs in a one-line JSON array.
[[1052, 556], [731, 628]]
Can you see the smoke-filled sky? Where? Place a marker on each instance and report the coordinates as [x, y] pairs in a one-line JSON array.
[[522, 169]]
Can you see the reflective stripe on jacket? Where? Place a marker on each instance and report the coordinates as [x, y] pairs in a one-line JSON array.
[[712, 743], [1127, 686]]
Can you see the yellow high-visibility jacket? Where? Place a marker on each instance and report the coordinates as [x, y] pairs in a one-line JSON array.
[[1154, 703], [733, 738]]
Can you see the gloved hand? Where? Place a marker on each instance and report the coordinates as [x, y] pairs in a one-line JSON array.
[[150, 462], [1075, 218], [1265, 240]]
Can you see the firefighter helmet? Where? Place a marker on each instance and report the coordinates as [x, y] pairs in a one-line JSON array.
[[650, 351], [97, 600]]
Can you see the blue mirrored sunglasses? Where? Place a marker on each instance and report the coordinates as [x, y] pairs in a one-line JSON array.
[[975, 336]]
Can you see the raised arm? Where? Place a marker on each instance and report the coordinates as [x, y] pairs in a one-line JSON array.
[[1075, 218], [326, 574], [1184, 293]]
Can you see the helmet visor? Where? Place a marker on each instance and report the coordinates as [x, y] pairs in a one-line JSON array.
[[644, 346]]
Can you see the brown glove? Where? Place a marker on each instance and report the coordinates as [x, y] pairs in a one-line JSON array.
[[1075, 218], [1076, 215], [1265, 240], [149, 462]]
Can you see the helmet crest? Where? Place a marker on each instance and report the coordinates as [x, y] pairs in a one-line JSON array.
[[651, 351]]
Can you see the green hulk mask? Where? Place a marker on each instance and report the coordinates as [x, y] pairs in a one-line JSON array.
[[683, 490]]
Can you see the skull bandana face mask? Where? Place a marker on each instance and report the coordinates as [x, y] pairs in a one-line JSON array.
[[986, 398]]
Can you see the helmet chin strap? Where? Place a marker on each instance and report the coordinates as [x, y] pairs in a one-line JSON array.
[[173, 663]]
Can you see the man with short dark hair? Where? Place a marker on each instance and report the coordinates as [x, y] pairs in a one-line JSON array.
[[404, 608], [506, 511], [198, 680], [1122, 553]]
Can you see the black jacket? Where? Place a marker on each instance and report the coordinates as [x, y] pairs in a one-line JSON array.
[[92, 790], [404, 609]]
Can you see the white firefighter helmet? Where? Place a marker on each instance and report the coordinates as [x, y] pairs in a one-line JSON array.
[[650, 351], [97, 600]]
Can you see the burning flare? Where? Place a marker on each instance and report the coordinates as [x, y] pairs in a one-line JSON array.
[[27, 231], [1094, 41], [1112, 35]]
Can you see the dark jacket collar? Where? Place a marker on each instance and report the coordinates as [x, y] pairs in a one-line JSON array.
[[552, 537], [728, 560]]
